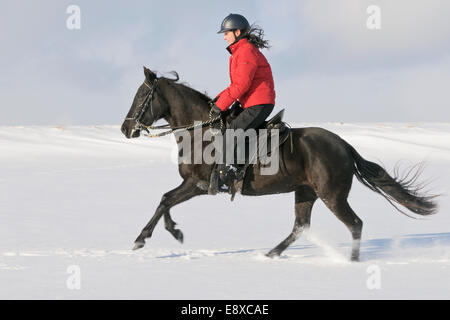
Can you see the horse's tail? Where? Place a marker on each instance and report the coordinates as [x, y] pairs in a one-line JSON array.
[[403, 191]]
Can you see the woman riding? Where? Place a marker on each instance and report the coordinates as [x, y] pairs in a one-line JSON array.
[[251, 85]]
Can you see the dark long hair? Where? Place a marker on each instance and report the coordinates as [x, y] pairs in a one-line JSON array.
[[255, 35]]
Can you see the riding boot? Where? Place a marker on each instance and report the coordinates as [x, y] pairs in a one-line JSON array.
[[222, 176], [226, 173], [227, 178]]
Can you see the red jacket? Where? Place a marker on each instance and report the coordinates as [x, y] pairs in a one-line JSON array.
[[251, 77]]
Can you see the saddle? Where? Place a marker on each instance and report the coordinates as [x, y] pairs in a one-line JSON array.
[[275, 123]]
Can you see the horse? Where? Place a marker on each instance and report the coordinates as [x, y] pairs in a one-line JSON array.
[[316, 164]]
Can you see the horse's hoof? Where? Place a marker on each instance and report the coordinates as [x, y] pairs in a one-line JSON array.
[[272, 254], [138, 245], [179, 235]]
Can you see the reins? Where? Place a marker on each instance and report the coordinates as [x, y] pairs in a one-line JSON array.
[[180, 128]]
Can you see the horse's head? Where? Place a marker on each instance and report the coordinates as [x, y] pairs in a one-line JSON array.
[[147, 107]]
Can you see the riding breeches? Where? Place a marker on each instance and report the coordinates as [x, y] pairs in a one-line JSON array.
[[250, 118]]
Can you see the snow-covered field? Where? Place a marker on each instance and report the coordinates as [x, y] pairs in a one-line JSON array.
[[73, 200]]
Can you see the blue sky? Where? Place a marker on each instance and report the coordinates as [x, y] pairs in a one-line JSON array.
[[327, 65]]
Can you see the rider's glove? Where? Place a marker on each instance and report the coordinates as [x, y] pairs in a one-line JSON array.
[[215, 111]]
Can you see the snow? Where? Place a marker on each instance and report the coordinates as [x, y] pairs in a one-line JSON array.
[[79, 196]]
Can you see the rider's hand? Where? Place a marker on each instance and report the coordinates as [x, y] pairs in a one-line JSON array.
[[212, 101], [236, 104], [215, 111]]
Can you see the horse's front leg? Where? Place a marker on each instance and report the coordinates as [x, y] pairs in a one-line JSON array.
[[183, 192], [170, 226]]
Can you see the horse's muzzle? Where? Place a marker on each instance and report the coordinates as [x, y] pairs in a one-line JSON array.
[[129, 130]]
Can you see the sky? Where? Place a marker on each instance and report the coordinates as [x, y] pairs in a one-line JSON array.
[[327, 64]]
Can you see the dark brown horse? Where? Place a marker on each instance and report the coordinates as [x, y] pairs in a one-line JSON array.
[[316, 164]]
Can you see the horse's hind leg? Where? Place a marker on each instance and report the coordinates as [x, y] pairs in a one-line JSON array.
[[344, 212], [304, 201]]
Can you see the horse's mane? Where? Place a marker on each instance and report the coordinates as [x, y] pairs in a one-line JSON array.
[[184, 86]]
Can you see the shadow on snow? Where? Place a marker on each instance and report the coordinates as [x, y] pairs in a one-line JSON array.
[[373, 249]]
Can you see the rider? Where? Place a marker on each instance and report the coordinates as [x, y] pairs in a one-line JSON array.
[[251, 84]]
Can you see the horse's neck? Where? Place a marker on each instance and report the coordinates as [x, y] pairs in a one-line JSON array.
[[186, 110]]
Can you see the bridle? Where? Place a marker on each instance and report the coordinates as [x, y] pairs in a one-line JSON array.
[[148, 103], [143, 107]]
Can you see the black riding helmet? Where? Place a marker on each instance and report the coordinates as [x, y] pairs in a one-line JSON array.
[[234, 21]]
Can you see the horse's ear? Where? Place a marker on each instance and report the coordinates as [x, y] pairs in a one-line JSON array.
[[149, 75]]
